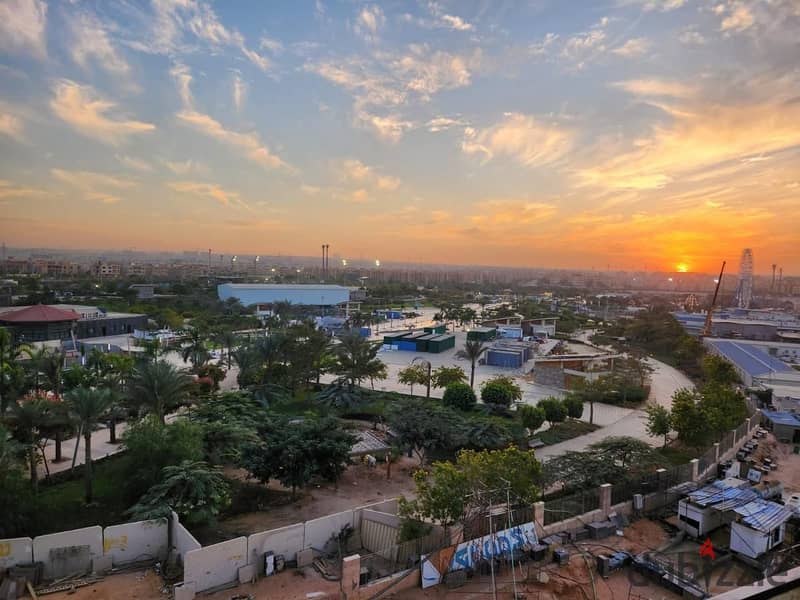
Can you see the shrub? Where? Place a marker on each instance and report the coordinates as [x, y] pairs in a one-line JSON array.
[[574, 407], [532, 417], [500, 390], [460, 396], [554, 409]]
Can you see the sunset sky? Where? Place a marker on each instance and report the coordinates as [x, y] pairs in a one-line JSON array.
[[527, 133]]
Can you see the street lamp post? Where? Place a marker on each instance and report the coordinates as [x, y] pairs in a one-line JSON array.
[[426, 362]]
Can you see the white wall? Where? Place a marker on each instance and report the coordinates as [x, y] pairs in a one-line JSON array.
[[215, 565], [287, 541], [15, 551], [133, 542], [182, 540], [320, 530], [88, 536], [748, 541]]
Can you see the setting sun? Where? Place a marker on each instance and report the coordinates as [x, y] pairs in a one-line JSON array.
[[682, 268]]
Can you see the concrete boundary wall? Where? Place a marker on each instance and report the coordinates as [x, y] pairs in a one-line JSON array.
[[15, 551], [182, 540], [287, 541], [319, 531], [136, 542], [88, 536], [216, 565]]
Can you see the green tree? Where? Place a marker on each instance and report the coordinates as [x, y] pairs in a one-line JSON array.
[[444, 376], [459, 396], [16, 504], [152, 445], [193, 489], [159, 388], [195, 348], [424, 426], [554, 409], [723, 407], [440, 496], [12, 375], [294, 453], [357, 360], [88, 406], [472, 351], [532, 417], [29, 418], [574, 406], [688, 419], [227, 340], [500, 389], [659, 422], [717, 370], [412, 375]]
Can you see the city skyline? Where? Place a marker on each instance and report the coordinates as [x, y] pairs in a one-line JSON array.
[[625, 133]]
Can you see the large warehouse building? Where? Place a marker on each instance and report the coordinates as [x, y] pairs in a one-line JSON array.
[[266, 294], [755, 367]]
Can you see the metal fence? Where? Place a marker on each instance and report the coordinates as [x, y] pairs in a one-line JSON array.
[[706, 460], [481, 524], [741, 431], [726, 443], [566, 507], [401, 556]]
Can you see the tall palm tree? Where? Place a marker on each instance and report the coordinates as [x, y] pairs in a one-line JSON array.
[[227, 339], [357, 360], [472, 352], [52, 368], [88, 406], [159, 388], [37, 356], [196, 351]]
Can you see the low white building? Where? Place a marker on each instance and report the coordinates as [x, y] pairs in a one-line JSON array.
[[759, 527], [267, 294], [710, 507]]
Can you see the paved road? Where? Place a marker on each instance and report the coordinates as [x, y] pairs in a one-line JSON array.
[[665, 380]]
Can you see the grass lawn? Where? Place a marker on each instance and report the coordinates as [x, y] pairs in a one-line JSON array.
[[61, 507], [678, 456], [560, 432]]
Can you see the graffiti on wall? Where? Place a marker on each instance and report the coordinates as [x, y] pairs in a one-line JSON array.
[[467, 555]]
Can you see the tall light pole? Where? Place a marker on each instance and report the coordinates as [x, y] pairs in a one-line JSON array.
[[426, 362]]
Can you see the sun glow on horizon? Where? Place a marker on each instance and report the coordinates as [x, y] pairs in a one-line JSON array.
[[682, 268]]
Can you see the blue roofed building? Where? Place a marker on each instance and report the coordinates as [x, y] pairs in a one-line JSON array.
[[754, 365], [785, 426], [708, 508], [759, 527]]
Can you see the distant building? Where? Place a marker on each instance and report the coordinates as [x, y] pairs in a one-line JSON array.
[[107, 270], [38, 323], [264, 295], [60, 321], [754, 366], [144, 290]]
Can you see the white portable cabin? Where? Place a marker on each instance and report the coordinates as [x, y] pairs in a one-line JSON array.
[[759, 527], [711, 507]]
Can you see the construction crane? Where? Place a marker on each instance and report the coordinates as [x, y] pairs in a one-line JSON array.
[[707, 326]]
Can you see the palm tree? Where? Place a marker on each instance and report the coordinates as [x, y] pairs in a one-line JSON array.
[[472, 352], [28, 418], [357, 359], [52, 368], [38, 356], [11, 373], [159, 388], [88, 406], [195, 351], [227, 339]]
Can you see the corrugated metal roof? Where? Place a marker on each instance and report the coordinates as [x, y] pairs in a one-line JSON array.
[[763, 515], [722, 495], [749, 358], [782, 418]]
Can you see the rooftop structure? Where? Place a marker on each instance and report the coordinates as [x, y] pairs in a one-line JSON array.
[[751, 362], [267, 294], [42, 323]]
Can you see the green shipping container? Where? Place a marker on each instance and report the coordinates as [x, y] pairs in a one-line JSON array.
[[422, 342], [482, 334], [439, 329], [441, 343]]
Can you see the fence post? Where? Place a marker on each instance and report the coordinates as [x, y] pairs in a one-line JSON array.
[[351, 576], [733, 445], [749, 424], [716, 452], [604, 492], [695, 463], [538, 514]]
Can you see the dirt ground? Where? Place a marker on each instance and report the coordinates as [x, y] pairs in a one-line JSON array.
[[788, 471], [137, 585], [359, 485]]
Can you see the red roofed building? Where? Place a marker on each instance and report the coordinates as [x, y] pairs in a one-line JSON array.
[[39, 323]]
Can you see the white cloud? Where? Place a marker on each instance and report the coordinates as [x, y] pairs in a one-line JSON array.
[[442, 123], [369, 21], [88, 114], [239, 91], [209, 190], [250, 143], [655, 5], [175, 20], [94, 186], [135, 163], [440, 19], [543, 48], [530, 142], [272, 45], [10, 190], [11, 125], [691, 37], [359, 196], [738, 18], [23, 24], [90, 42], [655, 87], [354, 171], [311, 190], [183, 167], [390, 127], [183, 79], [633, 48]]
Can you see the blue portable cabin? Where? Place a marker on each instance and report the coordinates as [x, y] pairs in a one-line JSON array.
[[510, 359]]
